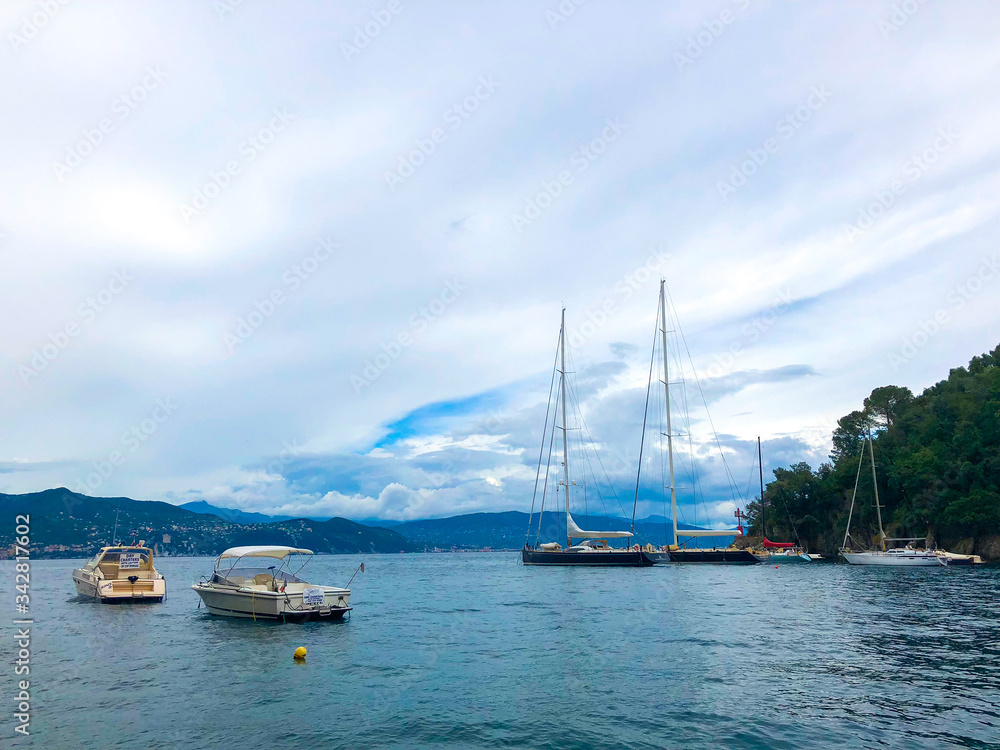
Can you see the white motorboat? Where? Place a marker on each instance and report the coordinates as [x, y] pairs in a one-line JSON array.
[[257, 583], [121, 574]]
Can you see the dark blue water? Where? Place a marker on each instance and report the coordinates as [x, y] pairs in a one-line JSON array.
[[474, 650]]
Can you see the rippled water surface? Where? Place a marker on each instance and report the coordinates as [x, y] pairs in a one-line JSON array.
[[474, 650]]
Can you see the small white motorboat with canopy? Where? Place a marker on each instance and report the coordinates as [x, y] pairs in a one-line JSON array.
[[258, 583]]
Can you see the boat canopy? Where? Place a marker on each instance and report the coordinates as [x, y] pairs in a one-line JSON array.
[[276, 552], [768, 544], [575, 532]]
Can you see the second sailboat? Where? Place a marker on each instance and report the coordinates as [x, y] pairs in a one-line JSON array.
[[592, 548]]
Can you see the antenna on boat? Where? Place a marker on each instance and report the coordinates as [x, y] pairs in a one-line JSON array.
[[114, 534]]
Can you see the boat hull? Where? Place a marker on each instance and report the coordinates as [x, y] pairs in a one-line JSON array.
[[803, 558], [714, 556], [119, 591], [917, 560], [269, 605], [617, 559], [954, 559]]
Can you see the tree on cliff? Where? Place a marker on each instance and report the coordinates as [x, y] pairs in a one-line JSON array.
[[938, 460]]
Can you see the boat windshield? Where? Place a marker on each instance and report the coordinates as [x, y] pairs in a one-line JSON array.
[[136, 558], [121, 560], [115, 553], [240, 575], [228, 567]]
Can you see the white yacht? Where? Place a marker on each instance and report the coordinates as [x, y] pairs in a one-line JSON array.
[[121, 574], [904, 557], [908, 556], [257, 583]]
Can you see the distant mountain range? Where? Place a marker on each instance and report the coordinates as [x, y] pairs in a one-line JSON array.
[[233, 514], [503, 530], [509, 530], [67, 524]]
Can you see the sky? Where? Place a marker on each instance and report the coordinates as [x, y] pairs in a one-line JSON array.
[[311, 259]]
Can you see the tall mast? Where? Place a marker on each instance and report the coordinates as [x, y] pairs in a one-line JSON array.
[[562, 386], [666, 399], [760, 465], [878, 508]]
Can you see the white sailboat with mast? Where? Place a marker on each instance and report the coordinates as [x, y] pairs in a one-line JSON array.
[[593, 548], [907, 556]]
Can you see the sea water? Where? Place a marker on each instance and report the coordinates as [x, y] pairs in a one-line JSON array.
[[476, 650]]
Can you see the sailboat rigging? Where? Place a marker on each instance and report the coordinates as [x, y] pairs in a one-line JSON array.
[[777, 551], [593, 548], [677, 552], [907, 556]]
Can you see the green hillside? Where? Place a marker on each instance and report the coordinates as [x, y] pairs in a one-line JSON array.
[[938, 461]]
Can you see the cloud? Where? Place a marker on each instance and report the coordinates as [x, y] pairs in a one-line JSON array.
[[789, 317]]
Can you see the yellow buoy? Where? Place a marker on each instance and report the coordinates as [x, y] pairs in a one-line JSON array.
[[300, 652]]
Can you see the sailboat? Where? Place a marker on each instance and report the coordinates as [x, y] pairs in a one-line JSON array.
[[907, 556], [678, 552], [775, 551], [592, 548]]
